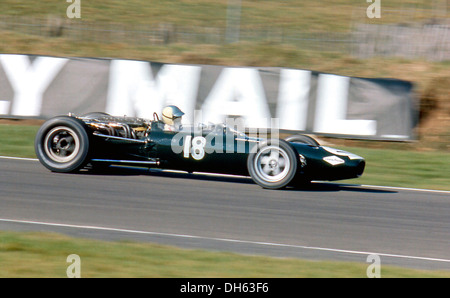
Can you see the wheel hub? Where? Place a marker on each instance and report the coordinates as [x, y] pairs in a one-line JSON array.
[[62, 144], [272, 164]]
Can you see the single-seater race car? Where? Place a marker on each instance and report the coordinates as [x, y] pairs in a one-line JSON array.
[[69, 143]]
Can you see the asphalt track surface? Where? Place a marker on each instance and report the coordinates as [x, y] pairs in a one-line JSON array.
[[327, 221]]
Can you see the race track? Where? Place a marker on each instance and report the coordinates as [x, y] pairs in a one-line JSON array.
[[328, 221]]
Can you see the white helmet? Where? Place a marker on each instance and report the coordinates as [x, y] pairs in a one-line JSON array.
[[171, 114]]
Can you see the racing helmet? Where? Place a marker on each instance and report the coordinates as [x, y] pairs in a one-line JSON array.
[[170, 115]]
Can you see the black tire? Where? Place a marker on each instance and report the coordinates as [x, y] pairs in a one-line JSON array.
[[300, 181], [95, 115], [62, 144], [302, 139], [265, 167]]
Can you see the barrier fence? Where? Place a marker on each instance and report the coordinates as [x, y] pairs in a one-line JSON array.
[[410, 40]]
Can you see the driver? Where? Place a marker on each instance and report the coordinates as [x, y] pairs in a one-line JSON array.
[[171, 116]]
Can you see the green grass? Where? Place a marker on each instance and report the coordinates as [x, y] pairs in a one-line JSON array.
[[17, 140], [45, 255], [331, 15], [429, 170]]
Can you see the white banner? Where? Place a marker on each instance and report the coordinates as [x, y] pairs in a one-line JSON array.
[[301, 100]]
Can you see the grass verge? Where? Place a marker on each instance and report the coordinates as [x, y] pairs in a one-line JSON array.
[[428, 170], [17, 140], [44, 255]]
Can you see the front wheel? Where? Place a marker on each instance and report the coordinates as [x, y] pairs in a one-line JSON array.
[[62, 144], [304, 139], [273, 165]]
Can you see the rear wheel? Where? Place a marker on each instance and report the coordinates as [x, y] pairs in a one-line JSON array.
[[62, 144], [95, 115], [273, 165]]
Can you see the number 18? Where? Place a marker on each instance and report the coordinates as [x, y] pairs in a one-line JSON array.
[[196, 148]]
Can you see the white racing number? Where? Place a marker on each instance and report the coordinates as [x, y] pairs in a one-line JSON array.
[[196, 148]]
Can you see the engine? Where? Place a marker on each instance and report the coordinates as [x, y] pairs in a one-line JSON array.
[[125, 127]]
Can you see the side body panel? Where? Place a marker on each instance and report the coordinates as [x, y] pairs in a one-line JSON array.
[[199, 151], [323, 163], [220, 151]]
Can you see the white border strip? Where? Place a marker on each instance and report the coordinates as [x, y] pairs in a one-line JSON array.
[[404, 188], [19, 158], [224, 240], [239, 176]]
